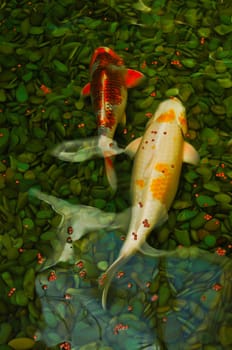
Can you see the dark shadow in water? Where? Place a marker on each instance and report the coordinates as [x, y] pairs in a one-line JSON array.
[[181, 302]]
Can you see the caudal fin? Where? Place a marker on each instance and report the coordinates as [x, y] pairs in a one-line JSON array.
[[108, 276]]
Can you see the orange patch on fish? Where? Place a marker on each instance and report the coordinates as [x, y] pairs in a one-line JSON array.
[[158, 188], [183, 123], [163, 168], [167, 117], [140, 183]]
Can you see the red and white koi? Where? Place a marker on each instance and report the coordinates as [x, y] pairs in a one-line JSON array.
[[109, 81], [159, 155]]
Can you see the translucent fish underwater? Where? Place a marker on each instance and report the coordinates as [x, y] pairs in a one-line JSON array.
[[109, 81]]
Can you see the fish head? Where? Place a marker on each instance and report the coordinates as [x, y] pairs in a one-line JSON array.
[[103, 57], [169, 111]]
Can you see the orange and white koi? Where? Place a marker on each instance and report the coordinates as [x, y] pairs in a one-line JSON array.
[[159, 155], [109, 81]]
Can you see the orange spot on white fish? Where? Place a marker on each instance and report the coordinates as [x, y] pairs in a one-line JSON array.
[[183, 123], [158, 188], [166, 117], [163, 168], [140, 183]]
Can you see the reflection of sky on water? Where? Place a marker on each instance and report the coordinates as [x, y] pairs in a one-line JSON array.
[[173, 303]]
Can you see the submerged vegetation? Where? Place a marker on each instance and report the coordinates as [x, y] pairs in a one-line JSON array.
[[184, 49]]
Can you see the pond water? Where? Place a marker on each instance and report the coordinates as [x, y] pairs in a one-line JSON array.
[[52, 204]]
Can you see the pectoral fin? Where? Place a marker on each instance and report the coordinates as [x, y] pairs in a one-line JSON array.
[[190, 155], [133, 146], [86, 90], [133, 78]]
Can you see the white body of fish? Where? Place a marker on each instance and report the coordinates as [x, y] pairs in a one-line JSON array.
[[159, 155]]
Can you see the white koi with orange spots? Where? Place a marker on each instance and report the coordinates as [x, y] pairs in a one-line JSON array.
[[159, 155]]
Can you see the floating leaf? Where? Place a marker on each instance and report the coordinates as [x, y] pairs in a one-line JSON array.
[[21, 93], [61, 67], [210, 136], [205, 201]]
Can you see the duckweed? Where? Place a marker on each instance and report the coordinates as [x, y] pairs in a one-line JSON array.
[[184, 50]]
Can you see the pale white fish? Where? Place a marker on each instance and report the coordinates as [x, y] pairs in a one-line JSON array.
[[159, 155], [77, 221]]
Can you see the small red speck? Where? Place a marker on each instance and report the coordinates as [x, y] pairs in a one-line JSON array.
[[125, 131], [122, 237], [202, 41], [44, 287], [120, 327], [1, 134], [154, 297], [70, 230], [120, 274], [21, 250], [203, 298], [80, 264], [65, 346], [45, 89], [135, 236], [153, 94], [196, 195], [129, 285], [69, 240], [17, 182], [217, 287], [130, 308], [176, 63], [140, 204], [148, 114], [101, 280], [223, 165], [81, 125], [146, 223], [154, 62], [11, 292], [144, 64], [82, 274], [220, 251], [67, 296], [207, 217], [40, 258], [52, 276], [164, 319]]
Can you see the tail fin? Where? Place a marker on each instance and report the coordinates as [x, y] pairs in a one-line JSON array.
[[109, 276]]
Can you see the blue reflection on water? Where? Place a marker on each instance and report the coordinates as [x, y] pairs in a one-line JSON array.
[[170, 303]]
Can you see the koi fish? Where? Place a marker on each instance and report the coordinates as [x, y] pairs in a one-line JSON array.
[[159, 155], [109, 81]]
